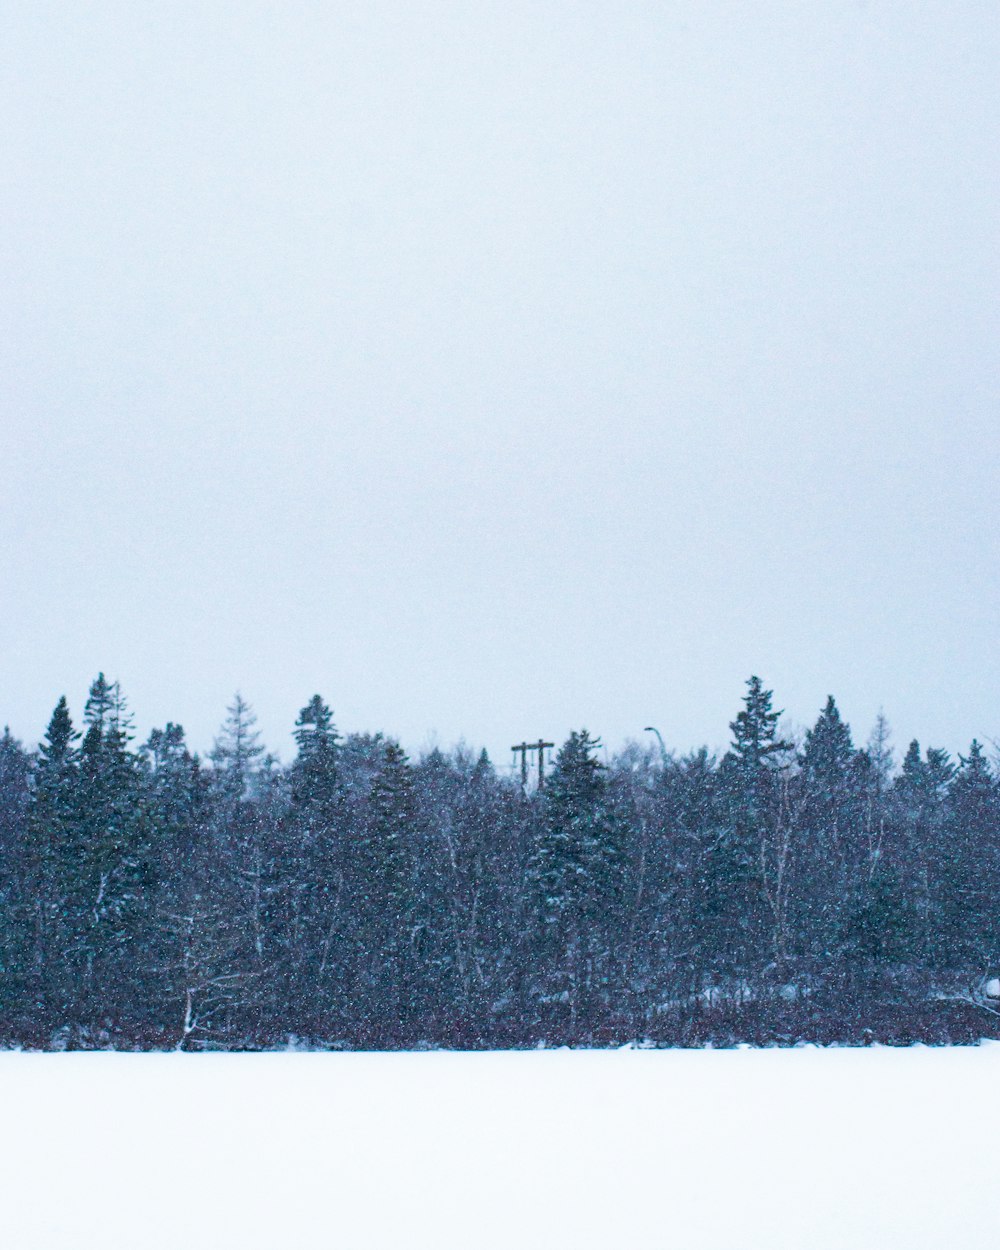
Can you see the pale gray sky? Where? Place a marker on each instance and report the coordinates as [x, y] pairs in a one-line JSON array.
[[500, 368]]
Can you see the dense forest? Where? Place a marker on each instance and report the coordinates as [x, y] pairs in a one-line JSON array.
[[355, 899]]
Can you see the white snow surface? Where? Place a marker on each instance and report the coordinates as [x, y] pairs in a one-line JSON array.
[[730, 1150]]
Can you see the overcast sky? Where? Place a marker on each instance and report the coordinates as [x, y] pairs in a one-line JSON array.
[[496, 369]]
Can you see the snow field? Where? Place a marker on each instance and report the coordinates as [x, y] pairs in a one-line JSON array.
[[801, 1149]]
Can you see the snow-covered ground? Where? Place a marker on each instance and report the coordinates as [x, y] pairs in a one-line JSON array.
[[733, 1150]]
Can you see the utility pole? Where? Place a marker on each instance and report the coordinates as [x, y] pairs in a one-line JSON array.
[[540, 748], [524, 748]]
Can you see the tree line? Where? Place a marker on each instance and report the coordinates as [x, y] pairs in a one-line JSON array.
[[356, 899]]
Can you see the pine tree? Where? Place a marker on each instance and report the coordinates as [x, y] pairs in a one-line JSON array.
[[567, 850], [578, 873], [309, 872], [110, 883], [17, 879], [750, 864], [871, 783], [56, 752], [391, 814], [755, 742], [237, 752], [315, 780], [880, 753], [691, 930], [828, 761], [15, 777], [102, 701], [831, 850], [968, 866], [973, 793], [829, 752], [441, 850], [55, 849], [919, 795], [384, 906]]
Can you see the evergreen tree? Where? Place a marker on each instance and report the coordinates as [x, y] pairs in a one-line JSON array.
[[237, 752], [56, 752], [692, 875], [243, 841], [109, 880], [578, 873], [880, 754], [391, 815], [828, 753], [55, 850], [871, 783], [567, 850], [184, 868], [968, 929], [384, 908], [441, 851], [750, 865], [831, 853], [203, 952], [755, 742], [354, 898], [309, 872], [879, 933], [103, 700], [919, 794], [973, 794], [315, 781], [17, 880], [15, 790]]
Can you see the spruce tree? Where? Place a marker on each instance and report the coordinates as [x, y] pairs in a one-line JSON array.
[[577, 871], [17, 880], [309, 872], [920, 852], [969, 865], [828, 752], [383, 899], [237, 752], [750, 863], [315, 783], [755, 742], [56, 849], [830, 859], [111, 883]]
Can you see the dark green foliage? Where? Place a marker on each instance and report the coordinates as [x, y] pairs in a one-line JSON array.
[[315, 784], [919, 842], [832, 861], [384, 851], [577, 874], [755, 741], [355, 899], [307, 905], [18, 900], [968, 853], [105, 875], [748, 867], [386, 924], [54, 848], [577, 862], [828, 753], [881, 929]]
